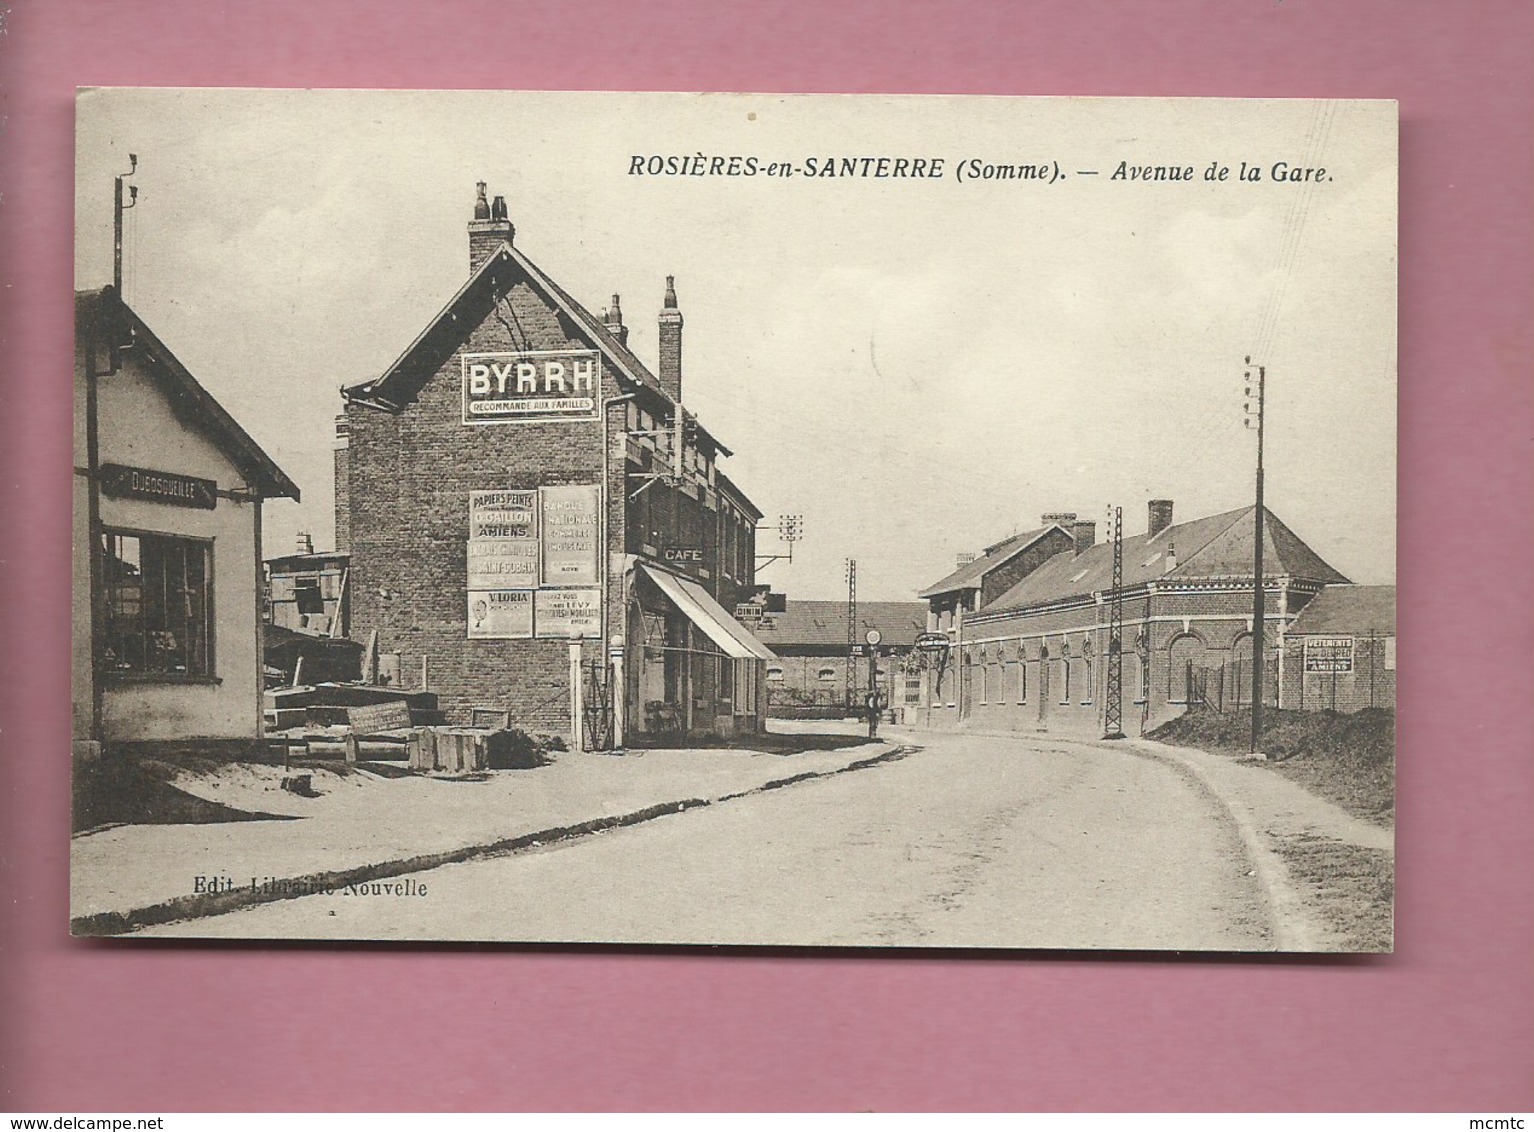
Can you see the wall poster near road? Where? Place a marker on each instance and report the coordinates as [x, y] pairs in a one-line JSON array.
[[1002, 372]]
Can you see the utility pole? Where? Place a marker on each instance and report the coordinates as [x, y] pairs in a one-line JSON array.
[[1113, 712], [118, 208], [1258, 596], [852, 632], [108, 325]]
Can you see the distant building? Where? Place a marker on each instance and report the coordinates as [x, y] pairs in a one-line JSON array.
[[308, 590], [981, 579], [535, 521], [1340, 652], [810, 641], [1032, 658], [167, 545]]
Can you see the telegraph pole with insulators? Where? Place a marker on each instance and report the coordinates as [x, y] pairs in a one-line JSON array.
[[1258, 597]]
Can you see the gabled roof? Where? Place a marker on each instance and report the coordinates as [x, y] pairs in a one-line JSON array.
[[725, 485], [1349, 610], [402, 382], [100, 311], [970, 575], [812, 623], [1218, 546]]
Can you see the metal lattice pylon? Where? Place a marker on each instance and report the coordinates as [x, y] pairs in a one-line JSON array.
[[1113, 711], [852, 632]]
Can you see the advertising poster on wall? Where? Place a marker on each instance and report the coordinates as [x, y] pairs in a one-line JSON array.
[[503, 540], [562, 614], [529, 386], [500, 614], [570, 554]]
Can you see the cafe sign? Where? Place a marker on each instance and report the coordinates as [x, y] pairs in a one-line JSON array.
[[534, 385], [122, 482]]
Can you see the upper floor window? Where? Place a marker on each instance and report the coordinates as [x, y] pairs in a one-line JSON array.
[[157, 604]]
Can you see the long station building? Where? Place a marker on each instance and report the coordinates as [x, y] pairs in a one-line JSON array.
[[1028, 623]]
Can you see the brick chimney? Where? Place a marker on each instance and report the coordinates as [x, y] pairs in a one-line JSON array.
[[612, 318], [671, 343], [1083, 534], [342, 534], [489, 229], [1160, 517]]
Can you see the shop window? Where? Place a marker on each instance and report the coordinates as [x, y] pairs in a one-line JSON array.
[[158, 605]]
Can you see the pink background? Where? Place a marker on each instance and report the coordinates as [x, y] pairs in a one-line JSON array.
[[1444, 1024]]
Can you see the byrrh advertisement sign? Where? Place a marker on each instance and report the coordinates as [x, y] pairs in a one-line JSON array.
[[536, 385]]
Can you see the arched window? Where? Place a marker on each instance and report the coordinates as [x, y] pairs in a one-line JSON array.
[[1238, 676], [775, 675], [827, 675], [1186, 659]]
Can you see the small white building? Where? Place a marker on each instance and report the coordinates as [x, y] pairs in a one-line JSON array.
[[167, 643]]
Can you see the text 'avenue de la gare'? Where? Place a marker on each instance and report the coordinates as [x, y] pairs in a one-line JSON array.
[[1047, 171]]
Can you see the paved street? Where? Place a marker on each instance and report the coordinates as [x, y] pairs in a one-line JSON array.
[[970, 841]]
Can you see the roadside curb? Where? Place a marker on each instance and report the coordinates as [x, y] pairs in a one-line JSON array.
[[1296, 927], [200, 905]]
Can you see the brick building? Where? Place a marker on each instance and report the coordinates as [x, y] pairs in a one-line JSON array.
[[535, 522], [1032, 658], [812, 667], [1340, 652], [981, 579]]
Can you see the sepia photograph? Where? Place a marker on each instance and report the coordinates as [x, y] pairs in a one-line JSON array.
[[826, 521]]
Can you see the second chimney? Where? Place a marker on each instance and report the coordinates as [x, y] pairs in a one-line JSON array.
[[1083, 534], [1160, 517], [671, 344], [612, 318], [489, 229]]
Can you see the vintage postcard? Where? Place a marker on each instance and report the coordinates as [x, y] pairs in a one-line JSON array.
[[848, 521]]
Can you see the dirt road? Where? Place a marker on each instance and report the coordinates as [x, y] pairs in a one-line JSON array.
[[968, 842]]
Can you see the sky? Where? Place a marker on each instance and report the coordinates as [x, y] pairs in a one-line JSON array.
[[917, 366]]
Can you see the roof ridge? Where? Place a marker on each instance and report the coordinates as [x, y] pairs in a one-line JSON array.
[[247, 456], [1236, 516]]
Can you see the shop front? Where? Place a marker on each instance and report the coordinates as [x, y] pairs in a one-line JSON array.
[[695, 670]]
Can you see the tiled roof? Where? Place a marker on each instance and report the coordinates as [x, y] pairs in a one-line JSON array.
[[1218, 546], [101, 310], [968, 576], [824, 623], [1350, 610]]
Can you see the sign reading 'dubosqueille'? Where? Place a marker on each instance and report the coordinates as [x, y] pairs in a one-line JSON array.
[[535, 385]]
